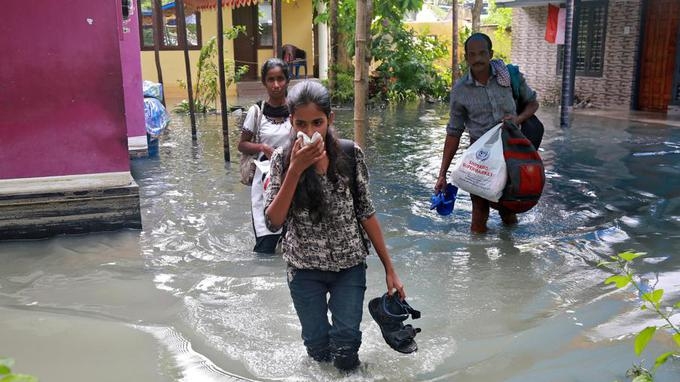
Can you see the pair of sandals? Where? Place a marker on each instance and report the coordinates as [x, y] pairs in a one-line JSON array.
[[390, 312]]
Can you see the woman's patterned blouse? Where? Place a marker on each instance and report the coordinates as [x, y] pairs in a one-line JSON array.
[[337, 242]]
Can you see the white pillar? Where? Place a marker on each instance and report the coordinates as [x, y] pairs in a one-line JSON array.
[[323, 46]]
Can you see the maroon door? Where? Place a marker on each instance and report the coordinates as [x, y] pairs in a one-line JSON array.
[[658, 54], [245, 47]]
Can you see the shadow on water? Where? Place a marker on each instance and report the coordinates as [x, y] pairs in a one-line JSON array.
[[186, 299]]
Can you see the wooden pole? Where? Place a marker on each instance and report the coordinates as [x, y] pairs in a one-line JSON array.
[[359, 60], [223, 84], [182, 36], [454, 42], [277, 28], [157, 24], [333, 39]]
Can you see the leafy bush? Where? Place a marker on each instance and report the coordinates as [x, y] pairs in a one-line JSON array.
[[652, 301], [6, 374], [407, 68], [207, 78], [344, 87]]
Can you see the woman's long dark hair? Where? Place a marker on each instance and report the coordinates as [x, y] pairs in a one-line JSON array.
[[309, 194]]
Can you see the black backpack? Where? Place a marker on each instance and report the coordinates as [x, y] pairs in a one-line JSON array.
[[532, 128]]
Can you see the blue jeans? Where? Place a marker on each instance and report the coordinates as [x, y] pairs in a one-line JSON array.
[[309, 289]]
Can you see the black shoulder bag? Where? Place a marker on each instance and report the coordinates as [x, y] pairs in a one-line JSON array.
[[532, 128]]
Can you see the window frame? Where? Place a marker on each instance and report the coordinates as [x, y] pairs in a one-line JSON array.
[[159, 31], [586, 12], [259, 32]]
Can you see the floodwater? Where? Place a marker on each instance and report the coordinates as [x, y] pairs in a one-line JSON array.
[[185, 299]]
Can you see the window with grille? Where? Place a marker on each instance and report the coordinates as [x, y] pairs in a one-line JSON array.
[[592, 26], [265, 24], [168, 30]]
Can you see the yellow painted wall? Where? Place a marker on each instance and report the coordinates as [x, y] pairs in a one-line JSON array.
[[172, 62], [441, 29], [297, 29]]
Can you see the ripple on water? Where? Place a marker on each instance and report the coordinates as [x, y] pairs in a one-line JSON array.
[[487, 301]]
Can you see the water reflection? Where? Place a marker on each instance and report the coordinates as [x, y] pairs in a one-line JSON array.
[[187, 300]]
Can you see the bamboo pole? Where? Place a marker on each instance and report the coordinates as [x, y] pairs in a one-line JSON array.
[[223, 85], [454, 42], [182, 36], [359, 60]]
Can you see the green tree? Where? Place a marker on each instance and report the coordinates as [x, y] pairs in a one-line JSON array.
[[405, 60], [502, 38]]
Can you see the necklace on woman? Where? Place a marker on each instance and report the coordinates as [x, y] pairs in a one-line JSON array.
[[276, 114]]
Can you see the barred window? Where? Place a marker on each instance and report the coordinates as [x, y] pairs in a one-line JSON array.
[[265, 24], [592, 26], [168, 31]]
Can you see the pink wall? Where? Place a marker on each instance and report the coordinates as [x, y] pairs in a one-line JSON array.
[[130, 58], [61, 94]]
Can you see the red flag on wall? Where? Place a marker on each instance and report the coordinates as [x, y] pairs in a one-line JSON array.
[[555, 25], [551, 24]]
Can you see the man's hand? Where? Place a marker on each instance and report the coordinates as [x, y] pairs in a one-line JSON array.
[[441, 182], [512, 118]]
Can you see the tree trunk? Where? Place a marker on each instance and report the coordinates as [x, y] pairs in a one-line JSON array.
[[344, 60], [359, 79], [476, 15], [333, 54], [454, 41]]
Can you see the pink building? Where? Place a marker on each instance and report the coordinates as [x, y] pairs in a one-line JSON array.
[[64, 162]]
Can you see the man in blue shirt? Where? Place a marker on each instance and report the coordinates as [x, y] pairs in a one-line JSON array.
[[479, 100]]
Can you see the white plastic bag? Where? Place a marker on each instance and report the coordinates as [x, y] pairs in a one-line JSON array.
[[481, 170]]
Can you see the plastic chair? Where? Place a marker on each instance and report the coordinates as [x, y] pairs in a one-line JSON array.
[[295, 58]]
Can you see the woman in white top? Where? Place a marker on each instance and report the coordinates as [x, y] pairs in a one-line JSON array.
[[274, 131]]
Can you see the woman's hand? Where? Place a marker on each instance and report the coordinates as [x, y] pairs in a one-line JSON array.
[[303, 157], [393, 283], [267, 150]]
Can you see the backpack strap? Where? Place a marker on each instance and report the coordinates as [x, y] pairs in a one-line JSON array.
[[347, 147], [256, 129], [515, 80]]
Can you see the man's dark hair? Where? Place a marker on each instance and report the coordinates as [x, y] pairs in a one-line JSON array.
[[478, 36]]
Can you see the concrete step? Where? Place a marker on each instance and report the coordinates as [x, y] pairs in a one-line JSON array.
[[254, 90]]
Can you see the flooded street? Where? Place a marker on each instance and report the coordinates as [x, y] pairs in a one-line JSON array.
[[185, 299]]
